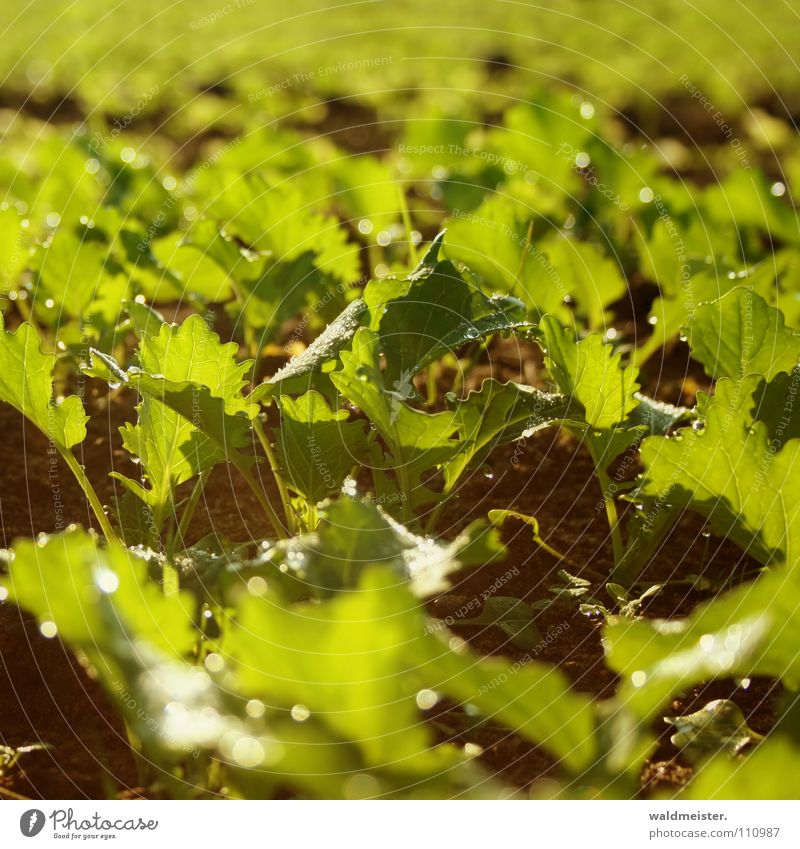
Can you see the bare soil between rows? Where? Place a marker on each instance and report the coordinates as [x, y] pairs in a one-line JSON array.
[[47, 697]]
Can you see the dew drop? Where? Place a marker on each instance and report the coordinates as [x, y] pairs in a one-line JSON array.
[[426, 699], [255, 709], [248, 752], [48, 629], [300, 713], [106, 580], [214, 662]]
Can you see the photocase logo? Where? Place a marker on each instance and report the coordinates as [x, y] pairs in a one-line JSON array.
[[31, 822]]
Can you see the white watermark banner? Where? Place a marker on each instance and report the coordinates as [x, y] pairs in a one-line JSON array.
[[400, 824]]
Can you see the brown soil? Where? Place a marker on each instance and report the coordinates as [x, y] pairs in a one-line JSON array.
[[45, 696]]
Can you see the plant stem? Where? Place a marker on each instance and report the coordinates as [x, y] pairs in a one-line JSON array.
[[91, 496], [247, 331], [431, 381], [312, 517], [170, 580], [436, 514], [617, 543], [188, 512], [374, 257], [276, 474], [274, 520], [401, 471], [412, 248], [562, 558], [526, 250]]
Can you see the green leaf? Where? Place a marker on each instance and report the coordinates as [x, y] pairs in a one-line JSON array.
[[531, 698], [697, 283], [431, 314], [26, 382], [192, 414], [333, 660], [92, 594], [657, 417], [774, 404], [354, 534], [182, 716], [496, 414], [320, 355], [365, 187], [13, 248], [280, 292], [491, 242], [725, 468], [585, 275], [752, 630], [418, 442], [740, 334], [146, 320], [190, 270], [278, 220], [547, 275], [588, 372], [762, 774], [207, 239], [367, 683], [418, 318], [719, 726], [317, 447], [74, 274], [513, 617]]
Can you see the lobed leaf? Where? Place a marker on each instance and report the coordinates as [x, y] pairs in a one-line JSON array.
[[26, 382], [317, 447], [727, 469], [418, 442], [740, 334]]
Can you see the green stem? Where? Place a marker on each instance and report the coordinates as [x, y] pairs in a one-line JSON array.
[[312, 516], [431, 388], [24, 310], [642, 545], [617, 543], [247, 330], [402, 473], [91, 496], [523, 258], [244, 470], [412, 248], [188, 512], [274, 467], [436, 514], [170, 579], [562, 558]]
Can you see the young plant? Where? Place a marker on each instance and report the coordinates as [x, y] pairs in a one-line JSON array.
[[26, 382], [191, 417]]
